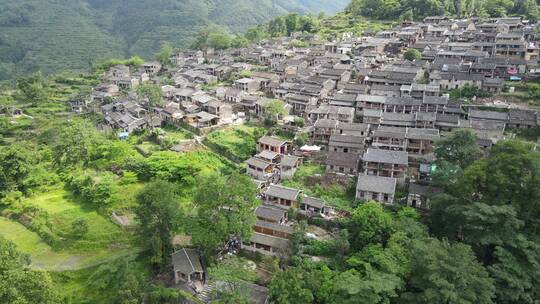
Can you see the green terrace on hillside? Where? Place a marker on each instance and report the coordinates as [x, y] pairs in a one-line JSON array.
[[45, 257]]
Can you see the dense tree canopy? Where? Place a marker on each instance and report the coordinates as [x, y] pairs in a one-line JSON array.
[[225, 208], [392, 9], [164, 55], [20, 285], [446, 273], [159, 217], [32, 89], [412, 54], [75, 142], [15, 166], [494, 207]]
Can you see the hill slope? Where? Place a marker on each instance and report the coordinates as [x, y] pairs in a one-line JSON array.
[[51, 35]]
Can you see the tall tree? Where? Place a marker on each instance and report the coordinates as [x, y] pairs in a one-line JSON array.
[[460, 148], [164, 55], [15, 165], [33, 89], [412, 55], [151, 96], [76, 142], [446, 273], [273, 110], [224, 208], [20, 285], [369, 224], [159, 216]]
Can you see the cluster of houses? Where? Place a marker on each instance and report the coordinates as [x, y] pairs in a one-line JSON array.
[[353, 79], [373, 115]]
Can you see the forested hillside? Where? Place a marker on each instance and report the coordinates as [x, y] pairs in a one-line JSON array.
[[392, 9], [52, 35]]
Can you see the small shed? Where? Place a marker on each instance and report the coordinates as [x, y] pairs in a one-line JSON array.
[[187, 266]]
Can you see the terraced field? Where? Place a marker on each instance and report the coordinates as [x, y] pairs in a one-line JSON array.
[[44, 257], [104, 240]]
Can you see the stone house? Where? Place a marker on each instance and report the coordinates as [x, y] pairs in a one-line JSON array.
[[346, 144], [247, 85], [187, 266], [274, 144], [385, 163], [343, 163], [323, 129], [376, 188], [283, 197]]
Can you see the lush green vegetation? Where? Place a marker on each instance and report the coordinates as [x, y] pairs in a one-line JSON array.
[[312, 179], [51, 36], [237, 142], [468, 92], [61, 180], [527, 92], [418, 9], [18, 284]]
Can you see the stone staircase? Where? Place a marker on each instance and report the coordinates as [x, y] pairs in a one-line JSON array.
[[205, 294]]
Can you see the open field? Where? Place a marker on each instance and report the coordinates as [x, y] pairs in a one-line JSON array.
[[63, 210], [44, 257]]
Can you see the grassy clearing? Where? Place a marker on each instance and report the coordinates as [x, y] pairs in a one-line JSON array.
[[238, 141], [126, 196], [63, 210], [44, 257], [312, 179], [177, 135]]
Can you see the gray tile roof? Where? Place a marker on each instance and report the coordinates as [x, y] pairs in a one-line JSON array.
[[289, 160], [314, 202], [377, 184], [490, 115], [346, 141], [270, 213], [268, 240], [282, 192], [346, 126], [386, 156], [258, 163], [393, 132], [418, 133], [272, 141], [267, 154], [187, 261], [346, 160], [274, 226], [326, 123]]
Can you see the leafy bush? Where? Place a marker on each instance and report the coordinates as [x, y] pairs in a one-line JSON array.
[[128, 178], [320, 248], [100, 190], [468, 92]]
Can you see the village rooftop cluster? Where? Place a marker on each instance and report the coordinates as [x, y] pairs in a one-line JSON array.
[[369, 114]]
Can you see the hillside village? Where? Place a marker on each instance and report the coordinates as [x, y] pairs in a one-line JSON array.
[[355, 105]]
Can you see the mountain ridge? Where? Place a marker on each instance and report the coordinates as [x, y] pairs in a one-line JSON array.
[[52, 35]]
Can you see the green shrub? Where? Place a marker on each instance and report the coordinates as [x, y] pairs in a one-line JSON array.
[[128, 178], [100, 191]]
